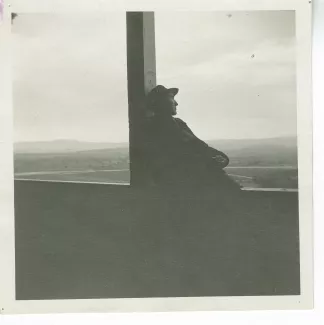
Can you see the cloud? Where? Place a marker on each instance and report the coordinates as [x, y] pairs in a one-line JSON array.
[[244, 86], [70, 73]]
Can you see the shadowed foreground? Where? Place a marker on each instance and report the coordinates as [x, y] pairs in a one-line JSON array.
[[101, 241]]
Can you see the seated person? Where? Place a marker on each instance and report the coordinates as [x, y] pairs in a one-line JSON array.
[[174, 153]]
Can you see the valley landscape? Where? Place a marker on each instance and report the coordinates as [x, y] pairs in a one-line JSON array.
[[260, 163]]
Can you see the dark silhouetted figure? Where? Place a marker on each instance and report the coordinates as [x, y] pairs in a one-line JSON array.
[[175, 155]]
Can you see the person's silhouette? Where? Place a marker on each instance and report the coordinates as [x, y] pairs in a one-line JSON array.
[[175, 154]]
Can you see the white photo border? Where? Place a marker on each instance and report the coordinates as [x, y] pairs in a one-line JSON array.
[[8, 304]]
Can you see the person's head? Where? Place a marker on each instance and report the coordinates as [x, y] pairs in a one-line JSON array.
[[161, 101]]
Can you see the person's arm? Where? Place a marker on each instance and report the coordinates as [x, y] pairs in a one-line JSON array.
[[219, 159]]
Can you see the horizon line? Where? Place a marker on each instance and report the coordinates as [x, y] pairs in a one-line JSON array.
[[127, 142]]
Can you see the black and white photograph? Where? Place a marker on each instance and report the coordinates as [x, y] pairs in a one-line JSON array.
[[156, 154]]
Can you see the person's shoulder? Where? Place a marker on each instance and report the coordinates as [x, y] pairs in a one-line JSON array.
[[180, 122]]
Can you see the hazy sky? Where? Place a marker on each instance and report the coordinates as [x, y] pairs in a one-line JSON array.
[[235, 71]]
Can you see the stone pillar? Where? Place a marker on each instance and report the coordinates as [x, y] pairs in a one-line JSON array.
[[141, 75]]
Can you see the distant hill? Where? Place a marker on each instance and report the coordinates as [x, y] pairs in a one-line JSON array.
[[70, 155], [63, 146], [259, 152], [239, 144]]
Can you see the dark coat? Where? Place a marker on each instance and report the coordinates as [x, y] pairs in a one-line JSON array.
[[177, 156]]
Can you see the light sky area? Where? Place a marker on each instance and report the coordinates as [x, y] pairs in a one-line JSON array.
[[236, 73]]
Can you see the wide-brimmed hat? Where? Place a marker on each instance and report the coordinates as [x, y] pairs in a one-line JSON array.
[[158, 92]]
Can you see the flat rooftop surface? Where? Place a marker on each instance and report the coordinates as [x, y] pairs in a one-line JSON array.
[[81, 241]]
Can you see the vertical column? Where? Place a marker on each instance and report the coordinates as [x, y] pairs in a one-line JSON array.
[[141, 75]]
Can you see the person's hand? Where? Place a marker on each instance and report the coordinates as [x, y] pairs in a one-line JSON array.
[[220, 160]]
